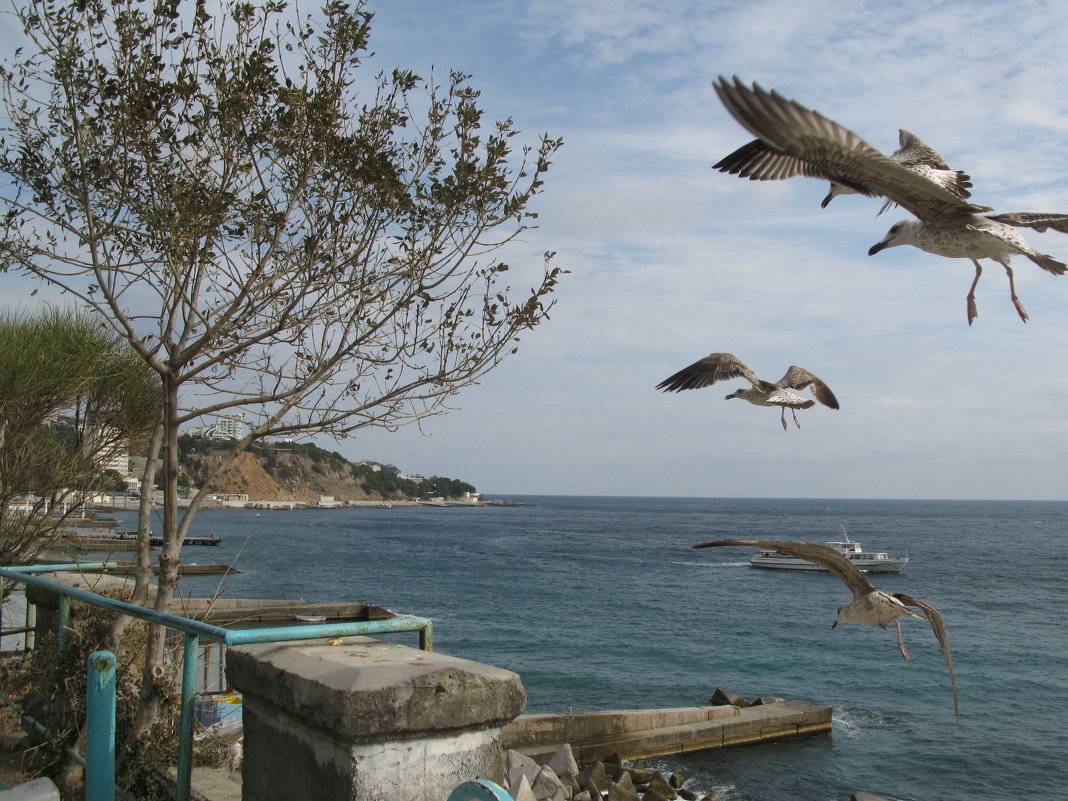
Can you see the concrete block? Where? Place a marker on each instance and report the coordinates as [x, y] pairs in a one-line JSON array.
[[368, 720], [517, 766], [617, 792], [37, 790], [563, 761], [365, 688], [548, 787], [523, 791]]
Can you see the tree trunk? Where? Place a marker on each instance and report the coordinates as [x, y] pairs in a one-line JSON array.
[[169, 558]]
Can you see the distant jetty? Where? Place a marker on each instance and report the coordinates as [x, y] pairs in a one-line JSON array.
[[122, 541]]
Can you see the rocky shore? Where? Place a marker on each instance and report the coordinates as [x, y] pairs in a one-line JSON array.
[[610, 779]]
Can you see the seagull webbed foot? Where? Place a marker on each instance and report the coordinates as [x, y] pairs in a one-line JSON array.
[[1012, 292], [972, 311], [901, 642], [1019, 308]]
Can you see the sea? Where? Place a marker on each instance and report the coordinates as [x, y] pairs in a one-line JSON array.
[[600, 603]]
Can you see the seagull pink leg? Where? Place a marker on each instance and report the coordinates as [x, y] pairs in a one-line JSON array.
[[785, 427], [901, 642], [796, 421], [1012, 291], [972, 311]]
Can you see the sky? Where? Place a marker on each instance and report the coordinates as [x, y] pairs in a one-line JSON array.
[[670, 260]]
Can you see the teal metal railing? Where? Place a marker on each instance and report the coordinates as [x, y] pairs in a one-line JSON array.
[[99, 761]]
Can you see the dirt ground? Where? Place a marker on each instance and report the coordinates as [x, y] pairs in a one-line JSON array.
[[13, 742]]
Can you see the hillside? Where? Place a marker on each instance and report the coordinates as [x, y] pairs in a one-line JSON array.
[[278, 472]]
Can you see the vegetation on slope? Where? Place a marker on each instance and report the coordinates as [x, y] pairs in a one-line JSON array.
[[298, 470]]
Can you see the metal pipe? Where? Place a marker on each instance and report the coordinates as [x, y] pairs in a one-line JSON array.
[[321, 630], [60, 567], [236, 636], [140, 612], [194, 631], [228, 636], [190, 660], [100, 727], [11, 702]]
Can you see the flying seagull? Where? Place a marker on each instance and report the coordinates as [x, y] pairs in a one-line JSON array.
[[870, 606], [721, 366], [760, 161], [946, 225]]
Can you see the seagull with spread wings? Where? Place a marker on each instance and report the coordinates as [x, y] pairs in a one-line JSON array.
[[760, 161], [722, 366], [945, 224], [870, 606]]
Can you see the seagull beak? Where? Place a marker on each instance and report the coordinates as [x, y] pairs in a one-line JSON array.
[[877, 247], [834, 625], [828, 199]]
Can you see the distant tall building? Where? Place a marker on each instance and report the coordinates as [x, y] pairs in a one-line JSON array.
[[120, 462], [109, 450], [226, 426], [231, 426]]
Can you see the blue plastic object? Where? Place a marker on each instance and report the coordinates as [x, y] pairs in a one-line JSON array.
[[479, 790]]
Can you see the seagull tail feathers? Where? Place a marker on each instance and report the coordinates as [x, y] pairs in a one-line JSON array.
[[1048, 263]]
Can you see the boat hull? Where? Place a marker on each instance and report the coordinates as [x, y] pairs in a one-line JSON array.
[[865, 561], [793, 563]]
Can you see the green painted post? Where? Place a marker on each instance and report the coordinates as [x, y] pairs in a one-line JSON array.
[[190, 660], [100, 727]]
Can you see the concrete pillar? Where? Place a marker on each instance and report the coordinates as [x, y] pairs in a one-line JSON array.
[[367, 720]]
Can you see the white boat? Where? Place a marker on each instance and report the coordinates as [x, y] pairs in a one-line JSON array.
[[868, 562]]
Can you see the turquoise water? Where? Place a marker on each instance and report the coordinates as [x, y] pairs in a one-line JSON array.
[[600, 603]]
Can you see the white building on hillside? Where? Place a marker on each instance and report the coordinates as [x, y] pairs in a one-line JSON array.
[[232, 426], [226, 426]]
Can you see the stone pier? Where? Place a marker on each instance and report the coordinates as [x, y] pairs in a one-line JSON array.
[[642, 733], [367, 720]]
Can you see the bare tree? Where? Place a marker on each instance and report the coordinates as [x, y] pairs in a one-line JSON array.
[[273, 232], [72, 397]]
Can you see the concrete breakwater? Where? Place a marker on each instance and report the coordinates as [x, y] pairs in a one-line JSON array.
[[545, 751], [640, 733]]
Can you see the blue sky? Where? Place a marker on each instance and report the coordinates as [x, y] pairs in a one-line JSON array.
[[671, 260]]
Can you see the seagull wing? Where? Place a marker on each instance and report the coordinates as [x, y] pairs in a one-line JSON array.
[[800, 378], [837, 154], [939, 629], [914, 150], [707, 371], [917, 155], [759, 161], [1033, 219], [818, 554]]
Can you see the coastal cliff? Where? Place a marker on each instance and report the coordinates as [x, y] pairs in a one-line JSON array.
[[277, 472]]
